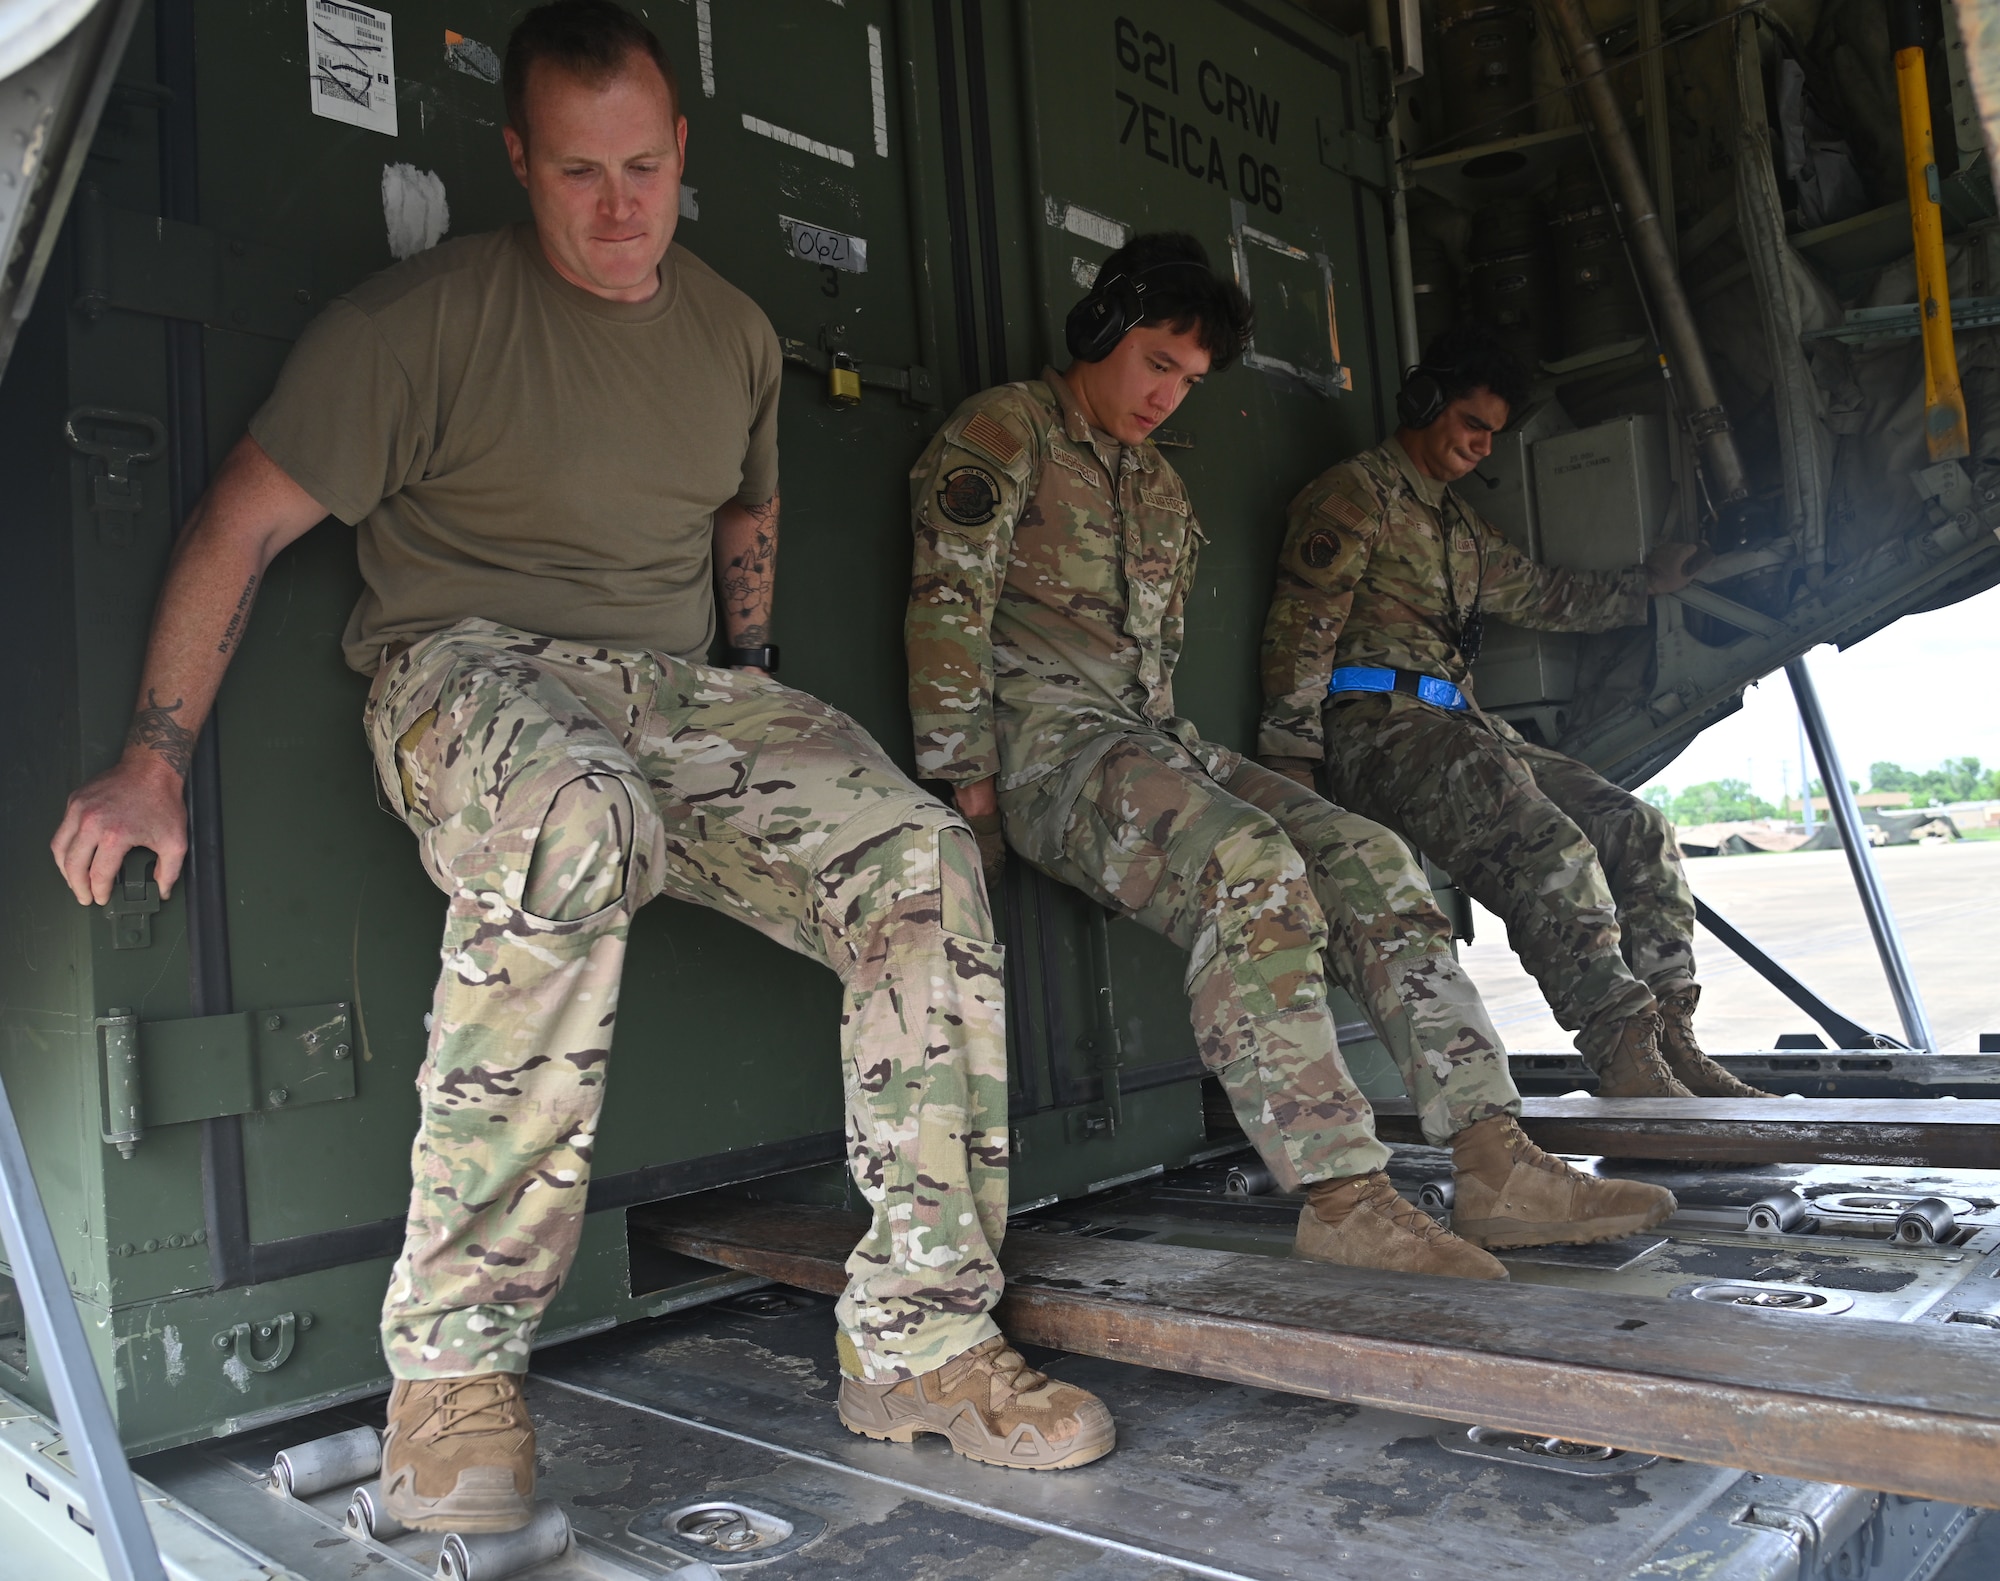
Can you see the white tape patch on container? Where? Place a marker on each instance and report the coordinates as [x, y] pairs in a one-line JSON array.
[[878, 90], [704, 40], [798, 140], [1087, 223]]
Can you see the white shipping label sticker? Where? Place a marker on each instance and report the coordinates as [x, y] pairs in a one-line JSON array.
[[351, 64], [818, 245]]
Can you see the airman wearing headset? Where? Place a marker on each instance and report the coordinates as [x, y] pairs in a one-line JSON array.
[[1055, 553], [1384, 580]]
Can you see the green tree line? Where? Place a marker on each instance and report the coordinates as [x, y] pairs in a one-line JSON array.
[[1960, 779], [1733, 801]]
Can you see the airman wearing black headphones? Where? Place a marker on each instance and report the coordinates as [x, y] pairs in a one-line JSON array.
[[1055, 555], [1383, 583]]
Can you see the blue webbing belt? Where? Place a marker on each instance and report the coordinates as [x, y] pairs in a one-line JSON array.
[[1425, 688]]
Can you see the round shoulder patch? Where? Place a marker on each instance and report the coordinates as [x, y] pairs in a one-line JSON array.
[[969, 496], [1319, 549]]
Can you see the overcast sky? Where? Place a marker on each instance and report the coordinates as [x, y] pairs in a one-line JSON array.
[[1915, 694]]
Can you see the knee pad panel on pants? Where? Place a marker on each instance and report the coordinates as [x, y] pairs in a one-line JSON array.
[[962, 882], [1263, 928], [917, 866], [584, 853]]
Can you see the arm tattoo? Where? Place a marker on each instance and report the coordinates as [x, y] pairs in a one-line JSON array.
[[233, 633], [155, 728], [749, 577]]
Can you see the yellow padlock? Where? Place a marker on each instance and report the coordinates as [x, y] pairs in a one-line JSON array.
[[843, 384]]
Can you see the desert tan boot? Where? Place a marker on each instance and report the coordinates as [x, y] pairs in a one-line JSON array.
[[993, 1407], [1360, 1221], [1507, 1192], [1693, 1069], [1632, 1067], [459, 1455]]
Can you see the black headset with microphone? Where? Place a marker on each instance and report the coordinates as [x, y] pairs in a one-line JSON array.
[[1421, 400], [1116, 304]]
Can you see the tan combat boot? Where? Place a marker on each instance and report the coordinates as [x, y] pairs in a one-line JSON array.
[[1632, 1067], [1692, 1068], [1361, 1222], [993, 1407], [459, 1455], [1507, 1192]]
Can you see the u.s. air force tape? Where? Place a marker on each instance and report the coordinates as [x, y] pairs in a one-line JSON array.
[[969, 496]]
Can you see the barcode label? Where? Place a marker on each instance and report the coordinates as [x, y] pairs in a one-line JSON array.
[[351, 64]]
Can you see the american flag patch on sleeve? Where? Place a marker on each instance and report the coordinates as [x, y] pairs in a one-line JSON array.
[[1344, 510], [989, 438]]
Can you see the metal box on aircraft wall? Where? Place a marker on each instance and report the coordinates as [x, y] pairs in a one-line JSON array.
[[1602, 493], [1591, 499]]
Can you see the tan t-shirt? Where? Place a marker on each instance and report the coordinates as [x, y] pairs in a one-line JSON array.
[[510, 446]]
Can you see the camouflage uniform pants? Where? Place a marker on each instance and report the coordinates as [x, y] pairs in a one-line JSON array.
[[1271, 890], [1586, 876], [555, 788]]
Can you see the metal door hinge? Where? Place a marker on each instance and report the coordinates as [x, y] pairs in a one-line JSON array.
[[124, 1119], [141, 263], [200, 1068], [1360, 155]]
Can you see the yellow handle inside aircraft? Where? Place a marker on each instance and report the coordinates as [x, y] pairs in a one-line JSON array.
[[1944, 400]]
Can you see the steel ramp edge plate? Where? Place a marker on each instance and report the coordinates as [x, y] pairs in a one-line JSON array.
[[1903, 1408], [1914, 1133], [43, 1514]]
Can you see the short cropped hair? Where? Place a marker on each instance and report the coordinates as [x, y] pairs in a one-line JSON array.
[[1186, 299], [591, 39], [1470, 356]]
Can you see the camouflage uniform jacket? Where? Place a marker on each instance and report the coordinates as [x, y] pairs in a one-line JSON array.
[[1048, 593], [1362, 579]]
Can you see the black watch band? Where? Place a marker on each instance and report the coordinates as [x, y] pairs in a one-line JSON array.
[[764, 658]]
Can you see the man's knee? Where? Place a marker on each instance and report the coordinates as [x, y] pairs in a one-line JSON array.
[[583, 855], [966, 908], [1257, 892], [1253, 849], [922, 864]]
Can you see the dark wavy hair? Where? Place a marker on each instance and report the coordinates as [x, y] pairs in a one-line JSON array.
[[591, 39], [1470, 357], [1186, 299]]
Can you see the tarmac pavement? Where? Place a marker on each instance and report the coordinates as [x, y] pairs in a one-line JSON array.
[[1801, 908]]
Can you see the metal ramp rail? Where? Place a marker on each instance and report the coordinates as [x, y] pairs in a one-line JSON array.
[[51, 103], [123, 1535]]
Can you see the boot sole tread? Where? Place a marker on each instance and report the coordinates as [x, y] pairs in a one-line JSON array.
[[1523, 1233], [906, 1432], [473, 1518], [473, 1511]]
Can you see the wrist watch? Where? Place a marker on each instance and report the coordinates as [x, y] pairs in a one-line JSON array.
[[764, 658]]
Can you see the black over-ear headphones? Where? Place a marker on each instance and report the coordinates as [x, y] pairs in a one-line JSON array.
[[1116, 304], [1421, 401]]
